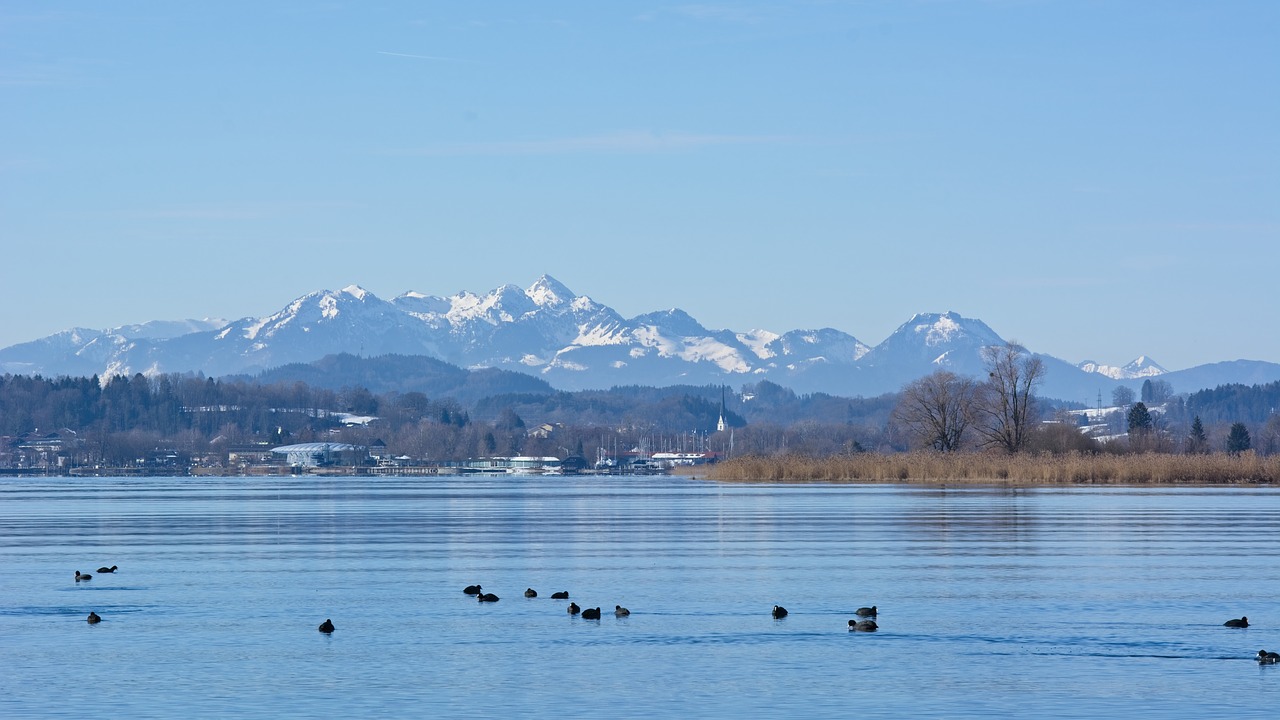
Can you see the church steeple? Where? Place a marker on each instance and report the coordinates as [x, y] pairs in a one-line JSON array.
[[721, 426]]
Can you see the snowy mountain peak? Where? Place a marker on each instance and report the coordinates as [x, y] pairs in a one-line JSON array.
[[571, 340], [356, 292], [827, 343], [1142, 367], [509, 295], [549, 292], [161, 329], [943, 328], [420, 304], [936, 340], [503, 305], [759, 342], [674, 321], [935, 329]]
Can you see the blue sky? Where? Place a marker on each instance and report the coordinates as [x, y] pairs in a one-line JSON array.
[[1097, 180]]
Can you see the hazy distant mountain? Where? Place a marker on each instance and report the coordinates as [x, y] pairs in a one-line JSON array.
[[405, 373], [1143, 367], [931, 340], [569, 341], [85, 352], [1242, 372]]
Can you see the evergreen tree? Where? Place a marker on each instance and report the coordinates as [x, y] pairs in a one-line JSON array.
[[1238, 439], [1140, 419], [1197, 441]]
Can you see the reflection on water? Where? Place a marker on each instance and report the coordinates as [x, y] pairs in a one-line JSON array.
[[1014, 602]]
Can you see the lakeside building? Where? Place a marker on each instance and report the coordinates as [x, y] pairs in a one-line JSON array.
[[672, 459], [522, 464], [37, 451], [322, 454]]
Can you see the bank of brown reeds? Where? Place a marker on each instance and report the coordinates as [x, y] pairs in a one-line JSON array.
[[1000, 468]]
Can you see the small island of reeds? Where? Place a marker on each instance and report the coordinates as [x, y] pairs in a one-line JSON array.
[[979, 468]]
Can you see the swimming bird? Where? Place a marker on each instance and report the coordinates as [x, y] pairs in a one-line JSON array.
[[94, 619], [1243, 622], [487, 597], [574, 609], [620, 611], [866, 611], [531, 593], [82, 576], [326, 627], [863, 625], [591, 614], [779, 612], [471, 589], [1268, 658], [562, 595], [107, 569]]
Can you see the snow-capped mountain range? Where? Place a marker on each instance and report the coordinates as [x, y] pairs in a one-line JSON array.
[[1143, 367], [572, 342]]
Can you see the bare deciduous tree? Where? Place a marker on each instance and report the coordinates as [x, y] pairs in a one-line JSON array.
[[937, 409], [1269, 442], [1121, 396], [1005, 406]]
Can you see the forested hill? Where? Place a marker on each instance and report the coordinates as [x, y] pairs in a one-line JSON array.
[[402, 374], [1235, 403], [475, 413]]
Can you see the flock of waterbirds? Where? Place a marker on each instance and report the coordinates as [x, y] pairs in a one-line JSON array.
[[587, 614], [864, 622]]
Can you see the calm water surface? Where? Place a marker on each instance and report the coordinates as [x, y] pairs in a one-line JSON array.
[[994, 602]]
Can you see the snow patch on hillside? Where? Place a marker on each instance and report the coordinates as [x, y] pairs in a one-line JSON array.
[[599, 335], [328, 307], [707, 349], [941, 331], [757, 341], [251, 330]]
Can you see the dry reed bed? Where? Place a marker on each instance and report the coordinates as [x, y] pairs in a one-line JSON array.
[[999, 468]]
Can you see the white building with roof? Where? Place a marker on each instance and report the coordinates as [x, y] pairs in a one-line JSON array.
[[319, 454]]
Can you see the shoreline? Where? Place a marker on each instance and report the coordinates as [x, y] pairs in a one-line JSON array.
[[1000, 470]]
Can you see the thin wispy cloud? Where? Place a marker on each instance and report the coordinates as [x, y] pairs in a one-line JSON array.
[[720, 13], [28, 77], [60, 72], [1057, 282], [623, 142], [200, 213], [421, 57], [236, 212]]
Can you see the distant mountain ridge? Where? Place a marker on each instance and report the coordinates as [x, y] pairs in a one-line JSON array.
[[406, 373], [573, 342], [1143, 367]]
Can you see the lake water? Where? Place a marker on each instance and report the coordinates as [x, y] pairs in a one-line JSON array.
[[1057, 602]]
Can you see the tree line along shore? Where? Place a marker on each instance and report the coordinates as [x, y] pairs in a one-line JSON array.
[[1024, 469], [178, 423]]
